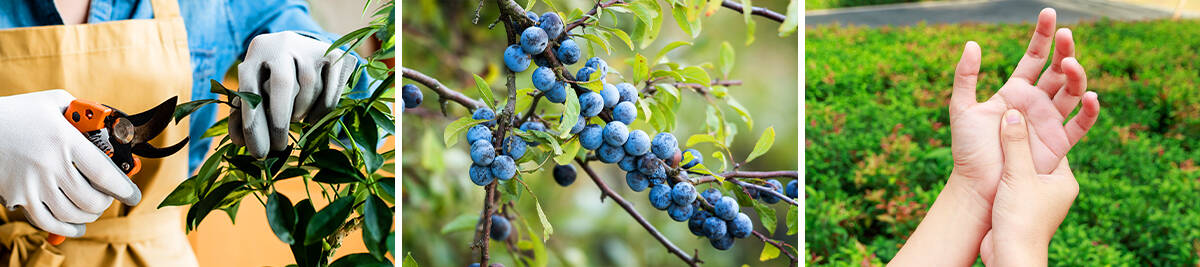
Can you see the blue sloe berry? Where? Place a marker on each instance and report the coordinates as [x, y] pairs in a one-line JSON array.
[[660, 196], [411, 95], [564, 174], [711, 195], [590, 104], [485, 113], [726, 208], [680, 213], [557, 94], [664, 145], [500, 228], [482, 152], [741, 226], [610, 95], [638, 143], [628, 163], [532, 16], [591, 137], [628, 92], [503, 167], [651, 166], [551, 24], [683, 193], [478, 132], [579, 123], [624, 112], [697, 158], [514, 147], [696, 223], [637, 182], [516, 59], [533, 40], [610, 154], [791, 190], [543, 78], [768, 197], [615, 133], [568, 52], [480, 175], [723, 243], [715, 227]]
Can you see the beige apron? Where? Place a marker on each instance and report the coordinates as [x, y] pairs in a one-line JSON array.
[[131, 65]]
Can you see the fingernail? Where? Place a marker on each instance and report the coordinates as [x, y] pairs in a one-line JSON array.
[[1012, 118]]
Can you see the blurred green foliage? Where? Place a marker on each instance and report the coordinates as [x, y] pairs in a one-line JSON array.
[[877, 142], [827, 4], [439, 199]]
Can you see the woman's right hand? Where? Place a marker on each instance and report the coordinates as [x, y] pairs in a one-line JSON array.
[[51, 170]]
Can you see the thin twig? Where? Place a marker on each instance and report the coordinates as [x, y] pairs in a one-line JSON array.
[[590, 13], [483, 231], [784, 247], [692, 261], [441, 90], [766, 13]]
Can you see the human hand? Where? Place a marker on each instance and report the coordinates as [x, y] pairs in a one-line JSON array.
[[297, 81], [50, 169], [1029, 206], [975, 141]]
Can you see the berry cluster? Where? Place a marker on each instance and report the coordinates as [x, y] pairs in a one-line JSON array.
[[488, 163]]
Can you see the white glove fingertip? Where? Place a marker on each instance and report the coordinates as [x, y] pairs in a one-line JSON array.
[[41, 217]]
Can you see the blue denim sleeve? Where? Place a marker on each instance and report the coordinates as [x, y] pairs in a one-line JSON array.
[[251, 18]]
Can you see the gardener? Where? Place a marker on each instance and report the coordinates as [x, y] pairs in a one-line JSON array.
[[132, 54]]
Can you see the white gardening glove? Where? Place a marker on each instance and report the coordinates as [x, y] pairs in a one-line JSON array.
[[51, 170], [297, 81]]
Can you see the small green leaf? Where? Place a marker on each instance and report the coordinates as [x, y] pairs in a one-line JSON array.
[[570, 115], [547, 229], [250, 98], [696, 75], [219, 128], [792, 220], [598, 41], [726, 60], [701, 138], [750, 25], [281, 216], [408, 259], [766, 215], [461, 223], [377, 222], [764, 143], [768, 252], [623, 36], [328, 220], [741, 110], [641, 69], [217, 88], [792, 21], [458, 128], [184, 194], [334, 167], [185, 109], [359, 260], [210, 201], [485, 91], [570, 150], [666, 49]]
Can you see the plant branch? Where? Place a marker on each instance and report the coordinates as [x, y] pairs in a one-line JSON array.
[[590, 13], [766, 13], [442, 91], [482, 230], [734, 175], [692, 261], [783, 247]]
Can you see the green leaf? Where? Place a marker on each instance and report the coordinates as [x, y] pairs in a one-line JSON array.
[[300, 251], [359, 260], [741, 110], [334, 167], [328, 220], [696, 75], [525, 98], [598, 41], [281, 216], [792, 220], [547, 229], [768, 252], [764, 143], [701, 138], [540, 259], [666, 49], [185, 109], [570, 115], [461, 223], [209, 202], [408, 259], [184, 194], [219, 128], [377, 222], [485, 91], [750, 25], [692, 27], [383, 121], [623, 36], [726, 60], [458, 128], [766, 215], [570, 150], [641, 69], [792, 22], [721, 158], [250, 98], [217, 88]]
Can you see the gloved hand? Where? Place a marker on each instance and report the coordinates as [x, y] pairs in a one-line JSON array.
[[51, 170], [297, 81]]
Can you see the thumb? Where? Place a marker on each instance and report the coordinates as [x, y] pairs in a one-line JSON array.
[[1014, 140]]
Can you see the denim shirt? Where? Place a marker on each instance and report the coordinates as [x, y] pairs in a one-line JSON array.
[[218, 34]]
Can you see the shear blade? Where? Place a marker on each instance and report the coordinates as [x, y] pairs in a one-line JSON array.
[[149, 151], [150, 123]]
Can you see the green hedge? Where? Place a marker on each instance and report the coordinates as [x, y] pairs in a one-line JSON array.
[[827, 4], [878, 139]]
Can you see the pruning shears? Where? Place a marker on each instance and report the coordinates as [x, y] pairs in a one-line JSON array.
[[121, 136]]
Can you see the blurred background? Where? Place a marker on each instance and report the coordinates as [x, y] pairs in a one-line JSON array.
[[441, 41], [877, 144], [219, 241]]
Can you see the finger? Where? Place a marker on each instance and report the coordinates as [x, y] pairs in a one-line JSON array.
[[254, 120], [986, 249], [310, 86], [1063, 169], [82, 194], [1078, 126], [337, 73], [1066, 99], [63, 209], [966, 74], [281, 89], [235, 124], [1052, 80], [1018, 160], [103, 175], [41, 217], [1039, 47]]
